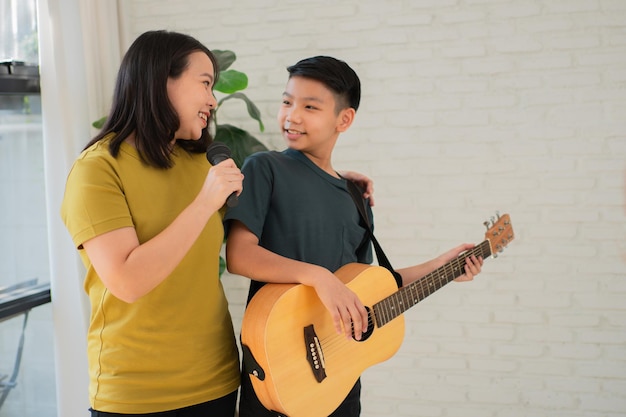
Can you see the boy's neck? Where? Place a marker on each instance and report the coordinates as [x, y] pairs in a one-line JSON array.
[[323, 163]]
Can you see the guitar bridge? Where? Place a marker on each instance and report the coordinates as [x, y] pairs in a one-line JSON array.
[[314, 353]]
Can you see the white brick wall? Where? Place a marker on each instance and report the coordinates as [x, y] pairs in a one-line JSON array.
[[469, 107]]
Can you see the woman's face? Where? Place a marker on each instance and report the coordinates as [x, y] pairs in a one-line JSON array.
[[191, 94]]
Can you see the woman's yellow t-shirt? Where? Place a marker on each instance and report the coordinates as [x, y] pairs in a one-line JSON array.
[[175, 346]]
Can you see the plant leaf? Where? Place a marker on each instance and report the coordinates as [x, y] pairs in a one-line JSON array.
[[224, 58], [240, 142], [222, 265], [253, 110], [231, 81], [99, 123]]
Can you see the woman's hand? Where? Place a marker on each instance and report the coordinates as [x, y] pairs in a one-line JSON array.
[[362, 181], [222, 180]]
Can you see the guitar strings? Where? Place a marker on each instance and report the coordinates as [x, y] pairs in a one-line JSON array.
[[414, 292], [332, 342]]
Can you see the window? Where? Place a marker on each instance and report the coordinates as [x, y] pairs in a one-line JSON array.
[[19, 25], [26, 335]]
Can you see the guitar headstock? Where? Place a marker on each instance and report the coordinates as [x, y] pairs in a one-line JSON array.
[[499, 233]]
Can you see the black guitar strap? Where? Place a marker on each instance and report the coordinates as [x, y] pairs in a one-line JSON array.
[[357, 196]]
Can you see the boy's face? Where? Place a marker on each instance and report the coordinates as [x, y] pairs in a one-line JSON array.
[[309, 118]]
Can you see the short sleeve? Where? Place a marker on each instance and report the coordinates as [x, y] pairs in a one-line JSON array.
[[94, 201]]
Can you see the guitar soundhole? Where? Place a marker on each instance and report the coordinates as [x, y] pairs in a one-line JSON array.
[[370, 327]]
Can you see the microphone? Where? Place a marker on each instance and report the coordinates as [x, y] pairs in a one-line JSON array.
[[216, 153]]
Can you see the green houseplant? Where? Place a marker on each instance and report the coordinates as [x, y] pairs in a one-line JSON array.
[[231, 83]]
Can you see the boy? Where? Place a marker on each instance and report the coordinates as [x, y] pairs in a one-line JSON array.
[[297, 222]]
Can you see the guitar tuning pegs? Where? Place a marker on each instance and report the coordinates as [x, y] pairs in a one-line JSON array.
[[486, 223], [498, 214]]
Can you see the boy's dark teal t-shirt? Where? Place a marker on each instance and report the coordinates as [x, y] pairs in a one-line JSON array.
[[299, 211]]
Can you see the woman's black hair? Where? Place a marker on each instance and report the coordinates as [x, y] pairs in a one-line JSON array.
[[141, 105]]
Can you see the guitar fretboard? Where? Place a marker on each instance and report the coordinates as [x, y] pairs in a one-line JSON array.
[[406, 297]]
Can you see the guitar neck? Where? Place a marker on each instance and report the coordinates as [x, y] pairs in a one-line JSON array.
[[406, 297]]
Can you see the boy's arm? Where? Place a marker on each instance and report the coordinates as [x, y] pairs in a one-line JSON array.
[[472, 267], [245, 257]]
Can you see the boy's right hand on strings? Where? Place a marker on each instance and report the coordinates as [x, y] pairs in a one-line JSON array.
[[346, 309], [222, 180]]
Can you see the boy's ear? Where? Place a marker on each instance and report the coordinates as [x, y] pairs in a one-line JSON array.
[[345, 119]]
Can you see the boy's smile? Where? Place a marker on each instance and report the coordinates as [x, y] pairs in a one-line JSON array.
[[288, 131]]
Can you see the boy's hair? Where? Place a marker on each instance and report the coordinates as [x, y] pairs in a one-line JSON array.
[[140, 100], [334, 74]]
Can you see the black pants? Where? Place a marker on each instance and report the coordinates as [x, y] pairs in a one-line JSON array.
[[250, 406], [222, 407]]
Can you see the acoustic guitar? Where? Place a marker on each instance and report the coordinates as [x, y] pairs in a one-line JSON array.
[[300, 366]]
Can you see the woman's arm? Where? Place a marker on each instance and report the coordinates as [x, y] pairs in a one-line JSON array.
[[130, 269]]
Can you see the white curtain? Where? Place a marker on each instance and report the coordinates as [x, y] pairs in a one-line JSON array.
[[79, 47]]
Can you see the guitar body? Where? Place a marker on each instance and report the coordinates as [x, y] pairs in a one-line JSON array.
[[273, 329]]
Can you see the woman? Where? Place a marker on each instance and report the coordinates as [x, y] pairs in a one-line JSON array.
[[142, 206]]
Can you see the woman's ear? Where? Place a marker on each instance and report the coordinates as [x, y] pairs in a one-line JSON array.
[[345, 119]]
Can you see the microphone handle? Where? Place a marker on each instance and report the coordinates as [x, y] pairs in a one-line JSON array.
[[232, 199]]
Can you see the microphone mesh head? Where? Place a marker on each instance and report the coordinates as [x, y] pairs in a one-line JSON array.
[[217, 152]]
